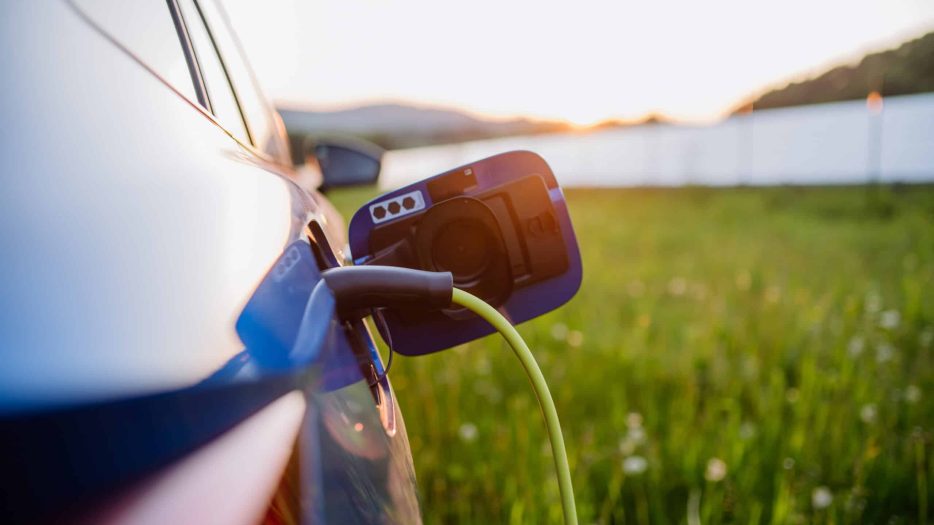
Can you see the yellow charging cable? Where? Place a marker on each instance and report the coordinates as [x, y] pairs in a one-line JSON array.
[[545, 401]]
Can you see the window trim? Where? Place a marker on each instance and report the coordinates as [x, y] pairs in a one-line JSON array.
[[194, 67], [258, 153], [223, 63]]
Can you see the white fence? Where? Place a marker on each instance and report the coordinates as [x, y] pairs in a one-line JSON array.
[[834, 143]]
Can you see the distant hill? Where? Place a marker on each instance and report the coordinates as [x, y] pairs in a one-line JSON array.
[[902, 71], [395, 126], [905, 70]]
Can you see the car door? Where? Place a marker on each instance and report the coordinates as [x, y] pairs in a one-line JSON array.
[[155, 243]]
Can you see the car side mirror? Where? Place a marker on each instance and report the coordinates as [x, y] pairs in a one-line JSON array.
[[344, 161], [499, 225]]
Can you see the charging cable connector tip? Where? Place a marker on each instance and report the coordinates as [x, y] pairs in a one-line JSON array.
[[359, 289]]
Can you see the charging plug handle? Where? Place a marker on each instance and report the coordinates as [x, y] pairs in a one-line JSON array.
[[358, 289]]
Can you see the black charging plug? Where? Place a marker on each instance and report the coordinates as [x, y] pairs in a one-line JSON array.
[[358, 289]]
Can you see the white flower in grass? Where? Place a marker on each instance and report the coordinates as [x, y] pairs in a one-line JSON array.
[[635, 465], [884, 353], [575, 338], [559, 331], [821, 497], [855, 346], [677, 286], [633, 420], [626, 446], [467, 432], [868, 413], [912, 394], [890, 319], [488, 390], [716, 470], [926, 337], [636, 435]]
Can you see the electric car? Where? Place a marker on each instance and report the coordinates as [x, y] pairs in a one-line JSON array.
[[148, 192], [168, 355]]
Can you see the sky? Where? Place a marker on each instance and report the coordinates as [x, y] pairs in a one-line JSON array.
[[582, 61]]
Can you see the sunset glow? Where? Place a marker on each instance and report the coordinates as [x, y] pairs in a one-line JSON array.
[[584, 62]]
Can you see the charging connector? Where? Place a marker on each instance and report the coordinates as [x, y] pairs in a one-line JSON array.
[[359, 289]]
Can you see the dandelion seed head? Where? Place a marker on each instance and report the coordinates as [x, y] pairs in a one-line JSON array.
[[821, 497], [626, 446], [884, 353], [716, 470], [492, 394], [890, 319], [635, 465], [636, 435], [559, 331], [926, 337], [912, 394], [467, 432], [677, 286], [855, 347], [633, 420]]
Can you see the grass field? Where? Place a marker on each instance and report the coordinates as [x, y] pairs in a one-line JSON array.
[[734, 355]]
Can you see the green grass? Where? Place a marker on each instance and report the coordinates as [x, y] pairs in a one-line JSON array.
[[759, 349]]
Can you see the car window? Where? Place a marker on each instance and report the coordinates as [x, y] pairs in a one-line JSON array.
[[220, 97], [259, 115], [147, 29]]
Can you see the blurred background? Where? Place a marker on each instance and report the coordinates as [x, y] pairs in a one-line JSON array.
[[751, 186]]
